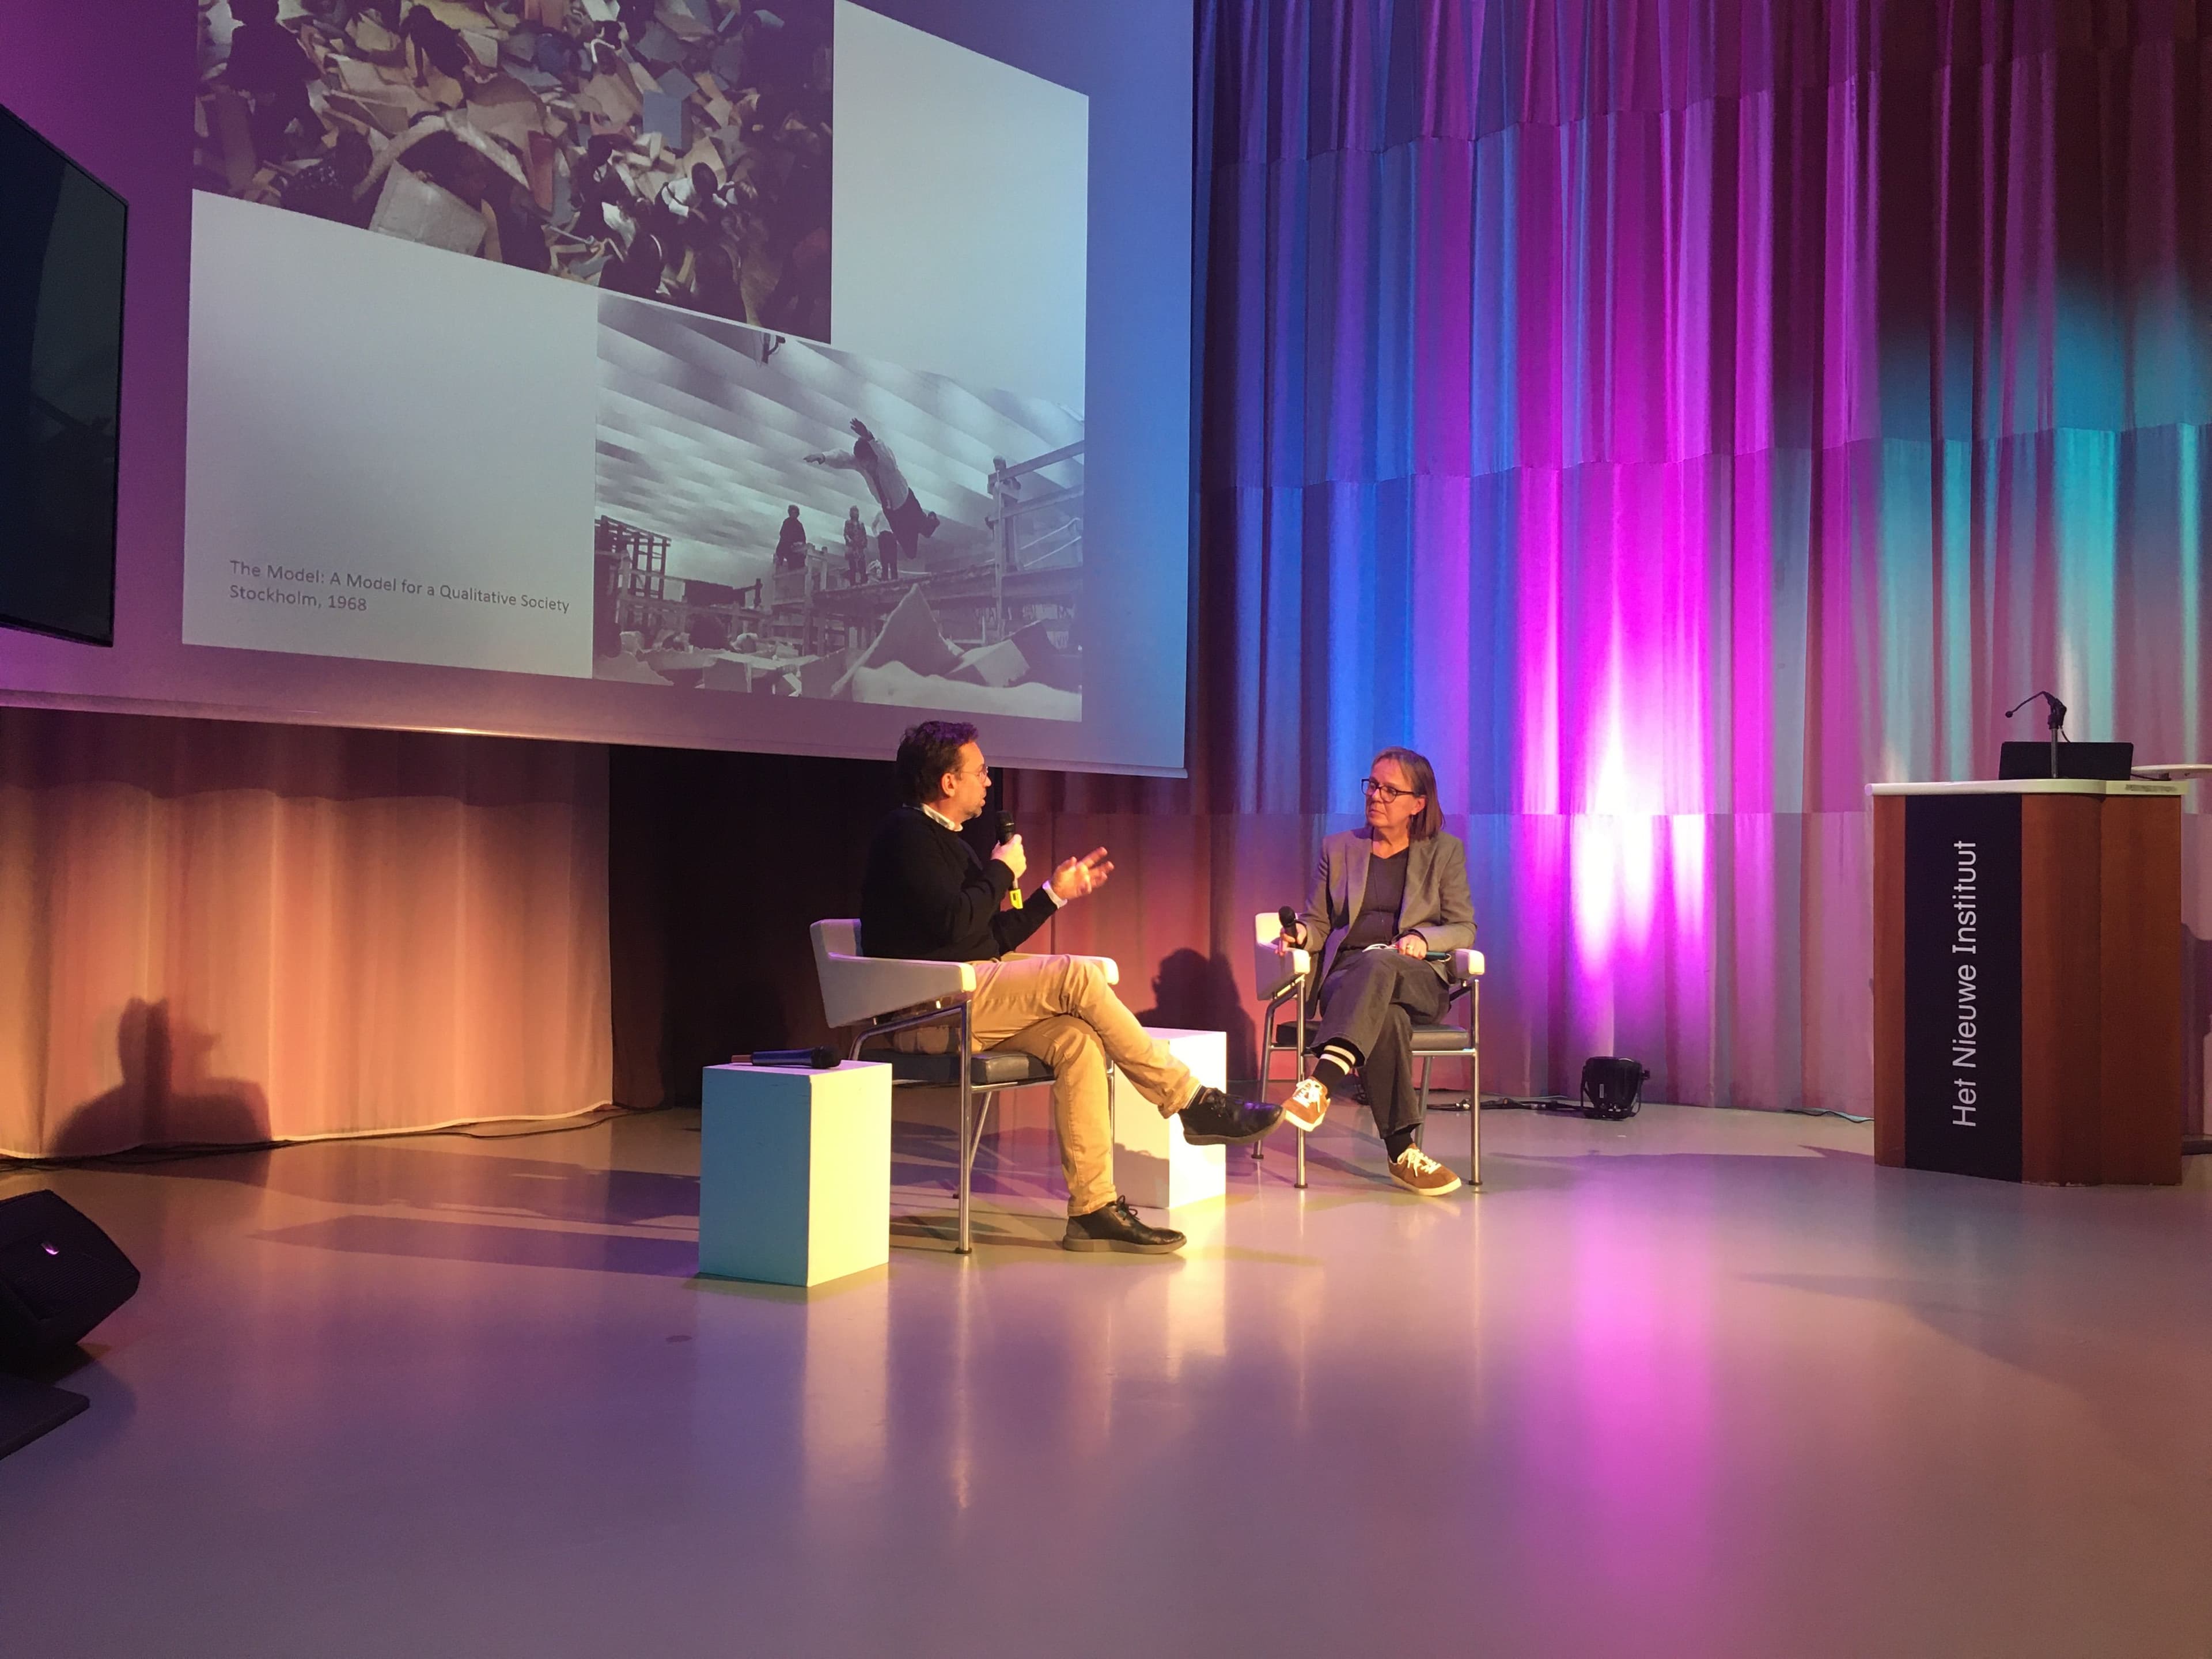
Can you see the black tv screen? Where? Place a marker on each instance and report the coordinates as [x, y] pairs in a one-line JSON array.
[[61, 369]]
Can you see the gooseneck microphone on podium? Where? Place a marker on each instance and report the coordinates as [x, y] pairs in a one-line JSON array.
[[1006, 835], [2056, 721]]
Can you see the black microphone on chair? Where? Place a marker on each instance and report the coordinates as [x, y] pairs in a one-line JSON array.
[[820, 1059]]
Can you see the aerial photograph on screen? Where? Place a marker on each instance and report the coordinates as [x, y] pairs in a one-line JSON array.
[[780, 520], [677, 150]]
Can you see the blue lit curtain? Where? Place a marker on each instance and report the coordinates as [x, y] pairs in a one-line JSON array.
[[1673, 416]]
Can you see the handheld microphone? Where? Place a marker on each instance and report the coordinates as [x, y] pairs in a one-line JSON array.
[[1007, 833], [820, 1059], [1288, 917]]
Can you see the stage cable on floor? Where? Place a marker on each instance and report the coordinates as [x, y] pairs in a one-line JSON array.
[[134, 1158], [1563, 1103]]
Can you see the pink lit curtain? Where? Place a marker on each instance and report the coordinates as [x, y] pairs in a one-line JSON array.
[[1673, 416], [220, 932]]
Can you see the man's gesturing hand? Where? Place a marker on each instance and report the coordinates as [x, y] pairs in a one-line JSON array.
[[1077, 878], [1009, 852]]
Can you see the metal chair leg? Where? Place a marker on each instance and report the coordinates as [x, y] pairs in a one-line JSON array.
[[1302, 1159], [1474, 1122], [1421, 1124], [967, 1120], [1267, 1078]]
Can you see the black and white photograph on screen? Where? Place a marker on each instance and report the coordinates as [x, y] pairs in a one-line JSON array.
[[778, 519], [674, 149]]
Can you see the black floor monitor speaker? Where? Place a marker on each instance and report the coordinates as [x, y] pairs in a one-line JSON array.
[[59, 1277], [1612, 1087], [27, 1411]]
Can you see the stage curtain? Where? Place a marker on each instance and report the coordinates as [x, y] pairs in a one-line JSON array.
[[223, 932], [1672, 416]]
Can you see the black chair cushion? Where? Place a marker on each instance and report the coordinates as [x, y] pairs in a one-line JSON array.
[[996, 1069], [1427, 1039]]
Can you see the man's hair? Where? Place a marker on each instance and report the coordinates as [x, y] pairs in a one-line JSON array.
[[1422, 777], [926, 753]]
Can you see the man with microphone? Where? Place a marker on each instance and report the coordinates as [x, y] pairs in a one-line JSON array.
[[927, 895]]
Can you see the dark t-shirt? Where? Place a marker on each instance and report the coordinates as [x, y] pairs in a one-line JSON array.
[[1377, 921]]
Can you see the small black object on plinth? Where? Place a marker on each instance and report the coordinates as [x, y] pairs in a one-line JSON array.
[[817, 1059]]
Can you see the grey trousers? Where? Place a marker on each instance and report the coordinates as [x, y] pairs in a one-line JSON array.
[[1372, 1002]]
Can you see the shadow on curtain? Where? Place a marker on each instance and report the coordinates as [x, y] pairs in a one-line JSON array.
[[223, 931]]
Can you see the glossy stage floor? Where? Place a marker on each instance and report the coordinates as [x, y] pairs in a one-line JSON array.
[[1703, 1383]]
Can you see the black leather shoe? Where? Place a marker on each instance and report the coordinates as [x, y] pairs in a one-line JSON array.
[[1117, 1228], [1214, 1120]]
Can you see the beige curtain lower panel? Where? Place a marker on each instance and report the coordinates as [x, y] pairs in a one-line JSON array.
[[225, 932]]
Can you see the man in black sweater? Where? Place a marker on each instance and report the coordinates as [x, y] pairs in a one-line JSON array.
[[927, 895]]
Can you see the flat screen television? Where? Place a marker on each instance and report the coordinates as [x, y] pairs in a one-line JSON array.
[[61, 373]]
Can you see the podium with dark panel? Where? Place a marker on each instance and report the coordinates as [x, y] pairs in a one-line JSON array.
[[2028, 978]]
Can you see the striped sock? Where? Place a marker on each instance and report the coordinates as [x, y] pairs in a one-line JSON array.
[[1335, 1064]]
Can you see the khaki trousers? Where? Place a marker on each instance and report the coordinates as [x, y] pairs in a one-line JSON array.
[[1062, 1010]]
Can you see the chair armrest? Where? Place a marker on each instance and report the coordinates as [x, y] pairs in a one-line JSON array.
[[1273, 970], [1273, 973], [856, 988], [1467, 964]]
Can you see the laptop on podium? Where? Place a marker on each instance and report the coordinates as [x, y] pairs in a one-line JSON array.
[[2110, 760]]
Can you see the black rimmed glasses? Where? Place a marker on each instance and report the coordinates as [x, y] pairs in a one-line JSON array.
[[1375, 789]]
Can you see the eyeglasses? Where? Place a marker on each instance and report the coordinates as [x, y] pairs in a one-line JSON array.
[[1374, 789]]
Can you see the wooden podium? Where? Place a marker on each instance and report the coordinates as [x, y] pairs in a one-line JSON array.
[[2028, 978]]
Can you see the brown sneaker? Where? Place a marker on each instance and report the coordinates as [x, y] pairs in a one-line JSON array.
[[1307, 1106], [1417, 1172]]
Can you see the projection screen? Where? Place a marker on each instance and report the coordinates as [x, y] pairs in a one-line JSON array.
[[695, 371]]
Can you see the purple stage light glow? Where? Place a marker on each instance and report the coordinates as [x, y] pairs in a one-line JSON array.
[[1731, 429]]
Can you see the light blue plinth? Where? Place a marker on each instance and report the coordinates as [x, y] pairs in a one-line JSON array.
[[794, 1172]]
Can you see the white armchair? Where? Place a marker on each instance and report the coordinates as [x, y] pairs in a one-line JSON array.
[[879, 997], [858, 989], [1286, 977]]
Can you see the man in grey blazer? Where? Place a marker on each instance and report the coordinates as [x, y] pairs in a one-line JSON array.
[[1396, 888]]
